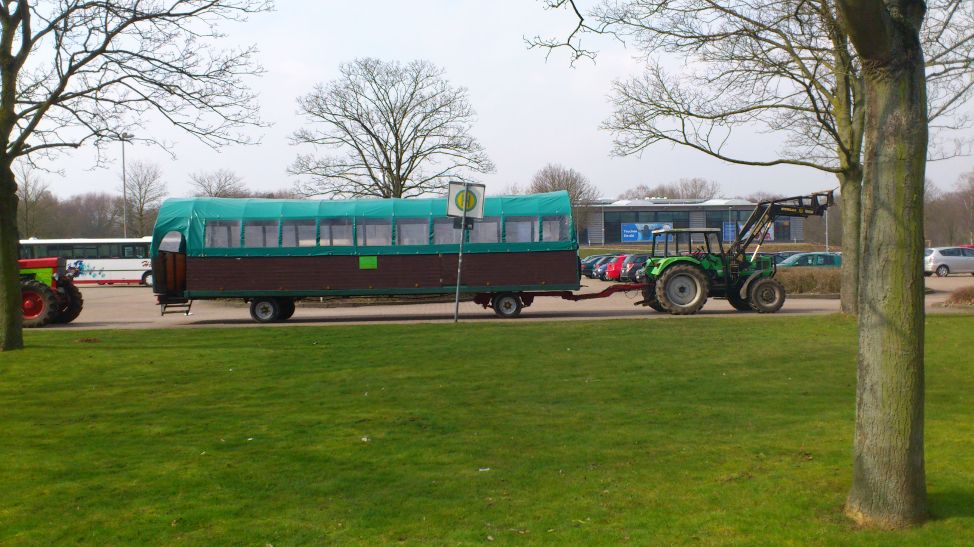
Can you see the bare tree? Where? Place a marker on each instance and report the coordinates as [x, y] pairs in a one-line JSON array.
[[145, 191], [868, 107], [554, 177], [33, 195], [398, 131], [221, 183], [695, 188], [888, 478], [784, 68], [79, 73]]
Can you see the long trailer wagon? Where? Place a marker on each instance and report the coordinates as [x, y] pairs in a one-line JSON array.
[[272, 252]]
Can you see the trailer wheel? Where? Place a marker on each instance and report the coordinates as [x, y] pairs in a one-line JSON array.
[[38, 303], [70, 302], [738, 303], [265, 310], [682, 289], [287, 308], [767, 295], [507, 305]]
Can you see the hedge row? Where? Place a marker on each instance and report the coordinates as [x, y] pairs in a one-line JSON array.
[[810, 280]]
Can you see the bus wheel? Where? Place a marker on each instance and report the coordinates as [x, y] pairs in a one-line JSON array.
[[507, 305], [265, 310], [38, 303], [147, 279], [287, 308], [70, 302]]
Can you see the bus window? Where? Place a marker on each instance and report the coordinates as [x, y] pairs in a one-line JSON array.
[[554, 229], [374, 232], [260, 233], [298, 233], [222, 234], [26, 251], [134, 251], [336, 232], [521, 229], [412, 231], [487, 230], [85, 251], [445, 233]]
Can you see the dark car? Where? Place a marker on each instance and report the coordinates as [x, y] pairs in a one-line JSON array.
[[781, 256], [632, 264], [589, 263], [595, 265]]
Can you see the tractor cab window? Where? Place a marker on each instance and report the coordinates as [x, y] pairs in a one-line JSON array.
[[713, 244]]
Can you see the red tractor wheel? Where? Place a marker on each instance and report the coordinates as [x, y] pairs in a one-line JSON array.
[[38, 303]]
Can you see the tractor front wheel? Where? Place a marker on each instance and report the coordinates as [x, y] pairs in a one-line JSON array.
[[682, 289], [738, 303], [38, 304], [767, 295], [70, 302]]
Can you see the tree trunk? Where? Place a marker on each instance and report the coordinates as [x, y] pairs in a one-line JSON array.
[[11, 318], [889, 487], [850, 185]]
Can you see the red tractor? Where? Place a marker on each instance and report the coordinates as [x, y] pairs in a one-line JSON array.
[[48, 294]]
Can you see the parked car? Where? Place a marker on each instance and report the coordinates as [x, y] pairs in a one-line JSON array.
[[812, 260], [781, 256], [590, 270], [589, 263], [630, 266], [614, 267], [947, 260], [599, 272]]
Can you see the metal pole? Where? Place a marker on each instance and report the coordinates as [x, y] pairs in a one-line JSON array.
[[463, 235], [826, 230], [125, 201]]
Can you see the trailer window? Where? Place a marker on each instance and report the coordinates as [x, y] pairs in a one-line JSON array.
[[336, 232], [222, 234], [487, 230], [445, 233], [554, 229], [412, 231], [374, 232], [521, 229], [298, 233], [260, 233]]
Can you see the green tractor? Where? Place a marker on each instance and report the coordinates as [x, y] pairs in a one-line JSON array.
[[689, 265], [48, 294]]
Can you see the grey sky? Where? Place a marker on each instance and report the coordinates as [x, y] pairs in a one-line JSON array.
[[531, 111]]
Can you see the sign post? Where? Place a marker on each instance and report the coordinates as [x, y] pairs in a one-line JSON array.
[[464, 200]]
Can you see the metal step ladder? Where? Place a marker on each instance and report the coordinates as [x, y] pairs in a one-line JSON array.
[[176, 306]]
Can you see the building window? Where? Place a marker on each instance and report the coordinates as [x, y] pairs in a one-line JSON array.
[[782, 229]]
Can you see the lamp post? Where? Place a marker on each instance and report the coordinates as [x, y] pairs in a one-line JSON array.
[[125, 202]]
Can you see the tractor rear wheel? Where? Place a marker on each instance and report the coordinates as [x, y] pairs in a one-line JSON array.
[[767, 295], [70, 302], [682, 289], [738, 303], [38, 303]]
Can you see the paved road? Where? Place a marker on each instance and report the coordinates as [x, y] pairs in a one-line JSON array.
[[134, 308]]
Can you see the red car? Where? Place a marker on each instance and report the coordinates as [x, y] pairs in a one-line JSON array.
[[614, 268]]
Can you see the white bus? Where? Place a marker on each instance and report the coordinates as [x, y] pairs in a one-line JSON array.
[[101, 261]]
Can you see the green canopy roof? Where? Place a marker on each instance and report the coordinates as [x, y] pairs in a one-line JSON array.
[[188, 216]]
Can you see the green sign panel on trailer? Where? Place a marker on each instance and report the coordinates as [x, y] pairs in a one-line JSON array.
[[368, 263]]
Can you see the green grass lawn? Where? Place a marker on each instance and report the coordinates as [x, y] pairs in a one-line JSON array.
[[721, 430]]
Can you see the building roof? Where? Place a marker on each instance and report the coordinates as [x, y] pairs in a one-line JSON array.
[[656, 203]]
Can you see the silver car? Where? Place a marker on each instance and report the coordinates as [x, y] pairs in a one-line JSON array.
[[944, 261]]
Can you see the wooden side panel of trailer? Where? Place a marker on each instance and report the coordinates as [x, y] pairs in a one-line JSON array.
[[411, 273]]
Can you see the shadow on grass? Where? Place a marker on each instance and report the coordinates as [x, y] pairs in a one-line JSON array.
[[951, 504]]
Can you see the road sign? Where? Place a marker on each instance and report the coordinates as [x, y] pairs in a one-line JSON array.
[[465, 200]]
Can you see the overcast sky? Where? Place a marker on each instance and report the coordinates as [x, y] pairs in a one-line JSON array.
[[531, 111]]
